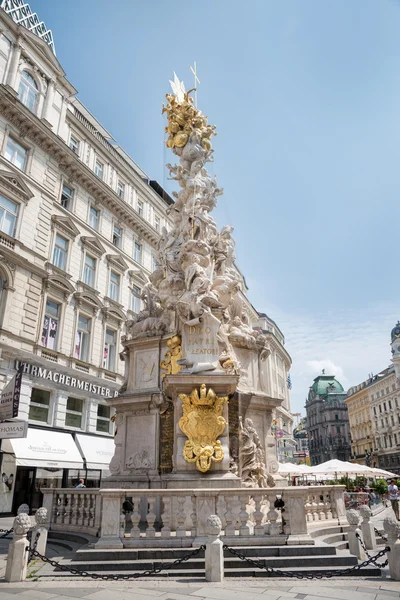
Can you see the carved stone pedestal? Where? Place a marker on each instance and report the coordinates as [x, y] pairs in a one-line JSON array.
[[187, 474]]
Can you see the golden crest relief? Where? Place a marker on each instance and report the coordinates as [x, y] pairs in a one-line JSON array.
[[202, 422], [170, 364]]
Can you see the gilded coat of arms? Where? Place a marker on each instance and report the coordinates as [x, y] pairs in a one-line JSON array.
[[202, 422]]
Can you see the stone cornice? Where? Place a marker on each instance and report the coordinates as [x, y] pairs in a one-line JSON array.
[[34, 129], [127, 171]]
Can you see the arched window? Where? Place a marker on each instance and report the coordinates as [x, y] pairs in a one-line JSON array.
[[28, 91]]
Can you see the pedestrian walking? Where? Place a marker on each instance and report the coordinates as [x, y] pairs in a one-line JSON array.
[[394, 496]]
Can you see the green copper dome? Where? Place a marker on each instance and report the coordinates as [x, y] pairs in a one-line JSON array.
[[324, 385]]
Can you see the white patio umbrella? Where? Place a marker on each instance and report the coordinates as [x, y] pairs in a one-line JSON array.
[[290, 468], [336, 466], [383, 473]]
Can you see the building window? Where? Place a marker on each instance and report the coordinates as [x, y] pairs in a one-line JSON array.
[[137, 254], [380, 408], [140, 207], [375, 410], [74, 144], [121, 189], [154, 263], [157, 223], [109, 350], [103, 418], [114, 286], [390, 405], [337, 429], [98, 169], [51, 324], [392, 419], [28, 91], [82, 339], [117, 236], [60, 252], [39, 406], [66, 197], [384, 406], [8, 215], [74, 413], [94, 218], [16, 153], [336, 417], [89, 270], [136, 301]]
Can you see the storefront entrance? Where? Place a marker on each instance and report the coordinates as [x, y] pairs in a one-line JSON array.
[[28, 483]]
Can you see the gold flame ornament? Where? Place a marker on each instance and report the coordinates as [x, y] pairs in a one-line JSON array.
[[170, 364], [184, 119], [202, 422]]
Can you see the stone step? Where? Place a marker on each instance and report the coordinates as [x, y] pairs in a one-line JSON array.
[[236, 572], [166, 553], [316, 533], [230, 562]]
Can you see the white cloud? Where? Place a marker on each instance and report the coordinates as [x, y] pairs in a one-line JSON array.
[[348, 343], [329, 366]]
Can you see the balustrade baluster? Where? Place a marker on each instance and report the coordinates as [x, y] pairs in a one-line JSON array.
[[230, 518], [81, 509], [321, 508], [258, 515], [135, 517], [151, 517], [243, 515], [314, 508], [308, 508], [193, 516], [180, 517], [68, 509], [166, 518], [57, 509], [327, 506], [272, 516]]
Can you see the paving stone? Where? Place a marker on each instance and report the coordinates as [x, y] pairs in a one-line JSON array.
[[125, 594], [334, 592], [72, 592]]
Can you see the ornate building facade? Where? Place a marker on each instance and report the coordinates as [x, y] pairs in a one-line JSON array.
[[374, 412], [80, 223], [327, 420]]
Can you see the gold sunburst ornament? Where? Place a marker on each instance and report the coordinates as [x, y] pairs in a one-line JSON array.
[[202, 422]]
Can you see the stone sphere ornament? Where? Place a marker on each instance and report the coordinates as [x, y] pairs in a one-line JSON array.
[[366, 513], [391, 527], [22, 524], [41, 516], [23, 508], [353, 517], [213, 525]]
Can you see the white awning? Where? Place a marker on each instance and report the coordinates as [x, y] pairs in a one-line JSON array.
[[98, 451], [44, 448]]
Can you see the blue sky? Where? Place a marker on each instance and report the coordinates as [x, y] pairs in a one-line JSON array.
[[306, 99]]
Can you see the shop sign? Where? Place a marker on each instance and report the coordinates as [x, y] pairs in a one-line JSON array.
[[67, 380], [9, 398], [13, 429]]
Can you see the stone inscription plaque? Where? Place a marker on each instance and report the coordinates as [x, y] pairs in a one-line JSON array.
[[200, 344], [166, 440]]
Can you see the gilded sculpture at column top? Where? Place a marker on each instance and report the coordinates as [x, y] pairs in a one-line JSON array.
[[170, 364], [202, 422]]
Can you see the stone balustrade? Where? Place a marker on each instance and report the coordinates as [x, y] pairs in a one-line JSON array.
[[177, 517], [76, 509]]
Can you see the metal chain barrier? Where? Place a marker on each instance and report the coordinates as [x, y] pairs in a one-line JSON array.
[[122, 577], [32, 549], [363, 546], [6, 532], [381, 535], [261, 565]]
